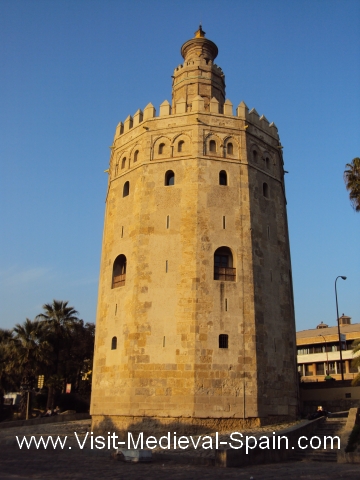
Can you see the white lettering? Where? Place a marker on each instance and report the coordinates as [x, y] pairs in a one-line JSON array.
[[140, 440], [236, 440], [311, 442], [81, 445], [265, 440], [302, 448], [151, 442], [247, 444]]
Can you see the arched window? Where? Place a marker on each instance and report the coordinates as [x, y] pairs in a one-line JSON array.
[[181, 146], [123, 163], [230, 148], [222, 178], [266, 190], [113, 343], [223, 340], [161, 148], [255, 155], [212, 146], [126, 189], [119, 272], [169, 178], [223, 265], [136, 155]]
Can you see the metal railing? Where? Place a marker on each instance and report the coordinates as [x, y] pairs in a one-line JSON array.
[[119, 280], [225, 274]]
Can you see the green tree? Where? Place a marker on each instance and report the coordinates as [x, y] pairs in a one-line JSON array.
[[28, 353], [356, 360], [60, 320], [352, 182], [5, 377]]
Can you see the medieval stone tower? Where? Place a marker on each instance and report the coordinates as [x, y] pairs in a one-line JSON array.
[[195, 321]]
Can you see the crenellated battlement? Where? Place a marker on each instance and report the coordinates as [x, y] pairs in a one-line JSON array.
[[251, 117], [195, 268]]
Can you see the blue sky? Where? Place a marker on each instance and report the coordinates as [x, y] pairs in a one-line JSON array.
[[71, 70]]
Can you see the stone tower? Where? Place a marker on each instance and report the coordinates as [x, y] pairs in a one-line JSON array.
[[195, 322]]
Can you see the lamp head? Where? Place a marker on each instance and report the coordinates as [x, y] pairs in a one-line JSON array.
[[344, 278]]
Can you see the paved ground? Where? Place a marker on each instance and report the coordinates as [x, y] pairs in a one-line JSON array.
[[53, 465], [16, 464]]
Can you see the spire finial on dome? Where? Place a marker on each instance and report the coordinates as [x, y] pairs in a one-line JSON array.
[[200, 32]]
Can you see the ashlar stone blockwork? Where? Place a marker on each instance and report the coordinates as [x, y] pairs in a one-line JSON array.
[[195, 246]]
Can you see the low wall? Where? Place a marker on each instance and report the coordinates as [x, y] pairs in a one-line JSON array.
[[40, 421], [230, 457], [333, 396], [349, 457]]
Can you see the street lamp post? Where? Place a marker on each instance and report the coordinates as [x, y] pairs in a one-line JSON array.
[[338, 324], [327, 355]]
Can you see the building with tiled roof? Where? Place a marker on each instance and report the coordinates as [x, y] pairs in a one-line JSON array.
[[318, 351]]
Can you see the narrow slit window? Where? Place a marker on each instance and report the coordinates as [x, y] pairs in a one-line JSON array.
[[181, 146], [222, 177], [122, 232], [166, 266], [265, 190], [267, 162], [223, 341], [136, 156], [126, 189], [168, 221], [255, 155], [224, 222], [161, 148], [270, 275], [115, 309], [123, 163], [163, 341], [268, 231], [226, 304], [114, 343]]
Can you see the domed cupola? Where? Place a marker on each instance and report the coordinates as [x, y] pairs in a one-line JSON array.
[[198, 75]]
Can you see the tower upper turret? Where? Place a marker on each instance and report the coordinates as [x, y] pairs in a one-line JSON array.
[[198, 75]]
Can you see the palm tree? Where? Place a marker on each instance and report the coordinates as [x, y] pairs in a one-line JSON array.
[[58, 315], [356, 360], [59, 319], [352, 182], [5, 378], [28, 352]]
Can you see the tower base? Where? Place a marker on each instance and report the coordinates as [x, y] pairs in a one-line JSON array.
[[121, 425]]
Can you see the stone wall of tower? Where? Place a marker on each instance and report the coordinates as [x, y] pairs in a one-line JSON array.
[[168, 367]]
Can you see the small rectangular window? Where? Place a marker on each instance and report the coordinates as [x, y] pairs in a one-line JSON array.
[[224, 222], [122, 232], [347, 395], [163, 341], [223, 341], [168, 221], [166, 266]]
